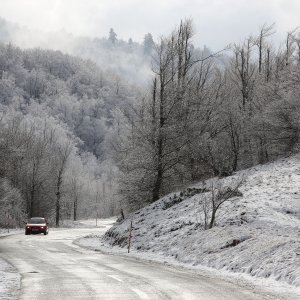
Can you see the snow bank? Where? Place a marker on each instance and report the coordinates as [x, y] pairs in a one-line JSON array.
[[5, 232], [88, 223], [9, 281], [256, 234]]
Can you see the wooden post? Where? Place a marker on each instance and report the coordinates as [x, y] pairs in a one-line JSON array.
[[130, 236]]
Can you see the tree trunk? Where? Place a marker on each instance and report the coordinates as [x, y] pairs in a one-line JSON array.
[[57, 209], [159, 176], [212, 219], [31, 202], [159, 170], [75, 209], [58, 195]]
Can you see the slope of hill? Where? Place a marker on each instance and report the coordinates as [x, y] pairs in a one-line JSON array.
[[256, 234], [74, 91]]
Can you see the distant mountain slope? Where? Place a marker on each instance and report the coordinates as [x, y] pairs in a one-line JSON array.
[[125, 59], [256, 234], [74, 91]]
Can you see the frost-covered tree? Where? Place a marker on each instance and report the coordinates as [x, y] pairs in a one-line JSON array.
[[157, 130], [12, 207], [204, 116], [49, 100]]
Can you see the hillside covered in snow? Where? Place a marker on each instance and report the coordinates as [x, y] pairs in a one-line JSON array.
[[255, 233]]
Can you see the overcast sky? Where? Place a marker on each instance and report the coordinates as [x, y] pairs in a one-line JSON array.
[[217, 22]]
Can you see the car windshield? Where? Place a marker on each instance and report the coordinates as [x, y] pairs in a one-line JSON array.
[[37, 221]]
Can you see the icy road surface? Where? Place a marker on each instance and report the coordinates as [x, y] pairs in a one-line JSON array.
[[52, 267]]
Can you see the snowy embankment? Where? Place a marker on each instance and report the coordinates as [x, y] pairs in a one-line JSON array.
[[9, 281], [256, 234], [6, 232]]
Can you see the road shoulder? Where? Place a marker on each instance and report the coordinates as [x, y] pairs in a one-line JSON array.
[[268, 288], [10, 281]]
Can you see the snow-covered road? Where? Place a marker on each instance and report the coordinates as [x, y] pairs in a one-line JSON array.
[[52, 267]]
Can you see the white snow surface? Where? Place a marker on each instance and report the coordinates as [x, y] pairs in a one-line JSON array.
[[6, 232], [9, 281], [265, 220]]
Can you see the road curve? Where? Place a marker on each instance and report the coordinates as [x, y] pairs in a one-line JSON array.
[[53, 268]]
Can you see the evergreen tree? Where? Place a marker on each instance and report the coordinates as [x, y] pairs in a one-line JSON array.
[[112, 36], [148, 44]]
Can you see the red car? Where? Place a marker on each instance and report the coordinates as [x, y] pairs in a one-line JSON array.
[[37, 225]]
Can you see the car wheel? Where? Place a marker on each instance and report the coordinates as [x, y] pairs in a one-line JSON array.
[[27, 233], [45, 232]]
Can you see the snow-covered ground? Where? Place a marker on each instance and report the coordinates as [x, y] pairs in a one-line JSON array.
[[5, 232], [9, 281], [88, 223], [257, 235]]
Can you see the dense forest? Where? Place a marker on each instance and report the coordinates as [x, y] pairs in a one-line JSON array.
[[55, 113], [78, 139]]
